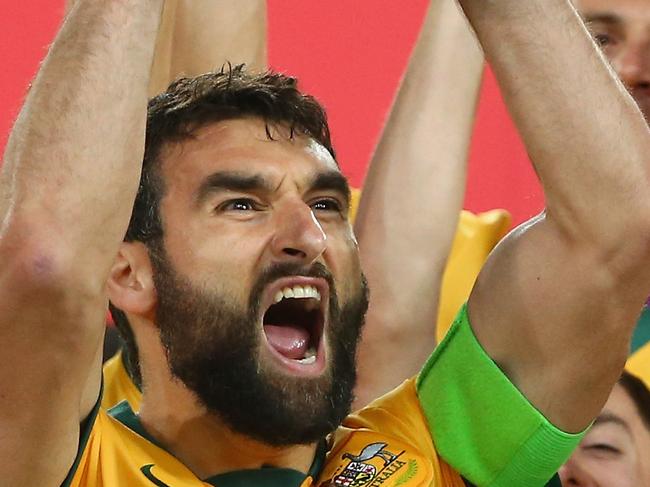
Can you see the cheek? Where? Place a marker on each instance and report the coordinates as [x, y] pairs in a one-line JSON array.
[[620, 472], [214, 260], [342, 258], [644, 461]]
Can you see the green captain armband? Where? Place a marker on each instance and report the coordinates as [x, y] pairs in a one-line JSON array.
[[480, 423]]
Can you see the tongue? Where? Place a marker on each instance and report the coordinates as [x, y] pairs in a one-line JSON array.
[[290, 341]]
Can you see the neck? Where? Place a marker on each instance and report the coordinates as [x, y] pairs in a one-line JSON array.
[[172, 415], [206, 445]]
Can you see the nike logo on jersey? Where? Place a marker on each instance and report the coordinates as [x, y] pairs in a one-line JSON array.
[[146, 471]]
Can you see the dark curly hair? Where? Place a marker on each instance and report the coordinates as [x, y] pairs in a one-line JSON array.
[[190, 104], [639, 393]]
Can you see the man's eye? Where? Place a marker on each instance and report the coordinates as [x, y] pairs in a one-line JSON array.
[[239, 204], [326, 205]]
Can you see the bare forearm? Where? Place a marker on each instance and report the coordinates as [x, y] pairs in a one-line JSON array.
[[567, 285], [73, 159], [414, 189], [209, 33], [197, 36], [571, 111]]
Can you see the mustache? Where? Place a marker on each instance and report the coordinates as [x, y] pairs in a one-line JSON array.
[[288, 269]]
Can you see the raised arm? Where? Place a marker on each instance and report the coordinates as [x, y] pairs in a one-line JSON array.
[[412, 198], [70, 173], [197, 36], [209, 33], [556, 303]]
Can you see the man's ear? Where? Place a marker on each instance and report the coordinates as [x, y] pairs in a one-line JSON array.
[[130, 284]]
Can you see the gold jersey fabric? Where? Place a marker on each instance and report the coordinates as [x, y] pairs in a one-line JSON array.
[[387, 444], [408, 457], [639, 364], [461, 407], [118, 386]]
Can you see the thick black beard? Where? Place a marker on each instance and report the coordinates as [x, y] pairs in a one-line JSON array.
[[214, 349]]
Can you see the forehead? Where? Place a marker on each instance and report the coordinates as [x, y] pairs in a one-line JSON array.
[[627, 10], [243, 145], [621, 404]]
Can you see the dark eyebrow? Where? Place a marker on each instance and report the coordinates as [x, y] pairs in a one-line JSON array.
[[603, 17], [332, 181], [609, 418], [231, 181]]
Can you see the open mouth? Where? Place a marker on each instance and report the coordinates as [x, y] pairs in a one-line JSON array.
[[294, 321]]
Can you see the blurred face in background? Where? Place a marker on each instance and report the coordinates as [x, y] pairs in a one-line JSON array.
[[622, 29], [616, 450]]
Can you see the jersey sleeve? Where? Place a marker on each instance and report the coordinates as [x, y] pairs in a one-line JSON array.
[[481, 424]]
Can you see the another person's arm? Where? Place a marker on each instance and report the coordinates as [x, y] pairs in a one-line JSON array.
[[412, 198], [557, 301], [197, 36], [550, 318], [67, 185]]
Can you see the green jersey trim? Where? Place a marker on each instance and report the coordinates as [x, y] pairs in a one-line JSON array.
[[554, 482], [125, 415], [85, 428], [481, 424], [641, 331], [267, 476]]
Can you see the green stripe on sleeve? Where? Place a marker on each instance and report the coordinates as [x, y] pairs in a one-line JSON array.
[[641, 334], [480, 423]]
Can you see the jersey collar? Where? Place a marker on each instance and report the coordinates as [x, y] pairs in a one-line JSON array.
[[267, 476]]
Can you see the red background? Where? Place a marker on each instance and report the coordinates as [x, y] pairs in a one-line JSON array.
[[350, 55]]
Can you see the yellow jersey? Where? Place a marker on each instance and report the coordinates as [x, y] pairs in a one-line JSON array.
[[639, 364], [119, 452], [460, 408], [118, 386]]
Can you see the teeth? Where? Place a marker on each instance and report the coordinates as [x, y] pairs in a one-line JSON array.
[[310, 357], [297, 292]]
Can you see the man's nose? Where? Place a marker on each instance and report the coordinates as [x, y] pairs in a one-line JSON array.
[[298, 235], [633, 64]]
